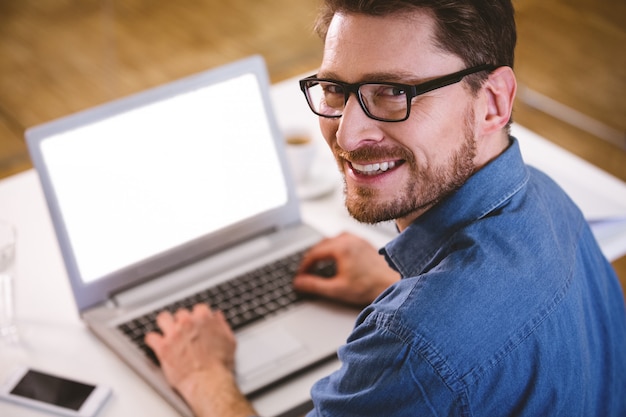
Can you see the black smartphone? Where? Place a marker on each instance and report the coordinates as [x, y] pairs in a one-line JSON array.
[[53, 393]]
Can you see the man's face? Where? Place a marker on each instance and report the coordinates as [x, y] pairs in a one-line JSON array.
[[423, 158]]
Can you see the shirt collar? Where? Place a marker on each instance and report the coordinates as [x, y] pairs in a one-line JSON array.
[[483, 192]]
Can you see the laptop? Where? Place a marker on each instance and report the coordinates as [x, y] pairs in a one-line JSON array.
[[183, 192]]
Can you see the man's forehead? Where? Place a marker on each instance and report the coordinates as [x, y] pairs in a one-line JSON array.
[[362, 48], [414, 24]]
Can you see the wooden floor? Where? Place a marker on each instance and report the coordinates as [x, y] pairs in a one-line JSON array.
[[61, 56]]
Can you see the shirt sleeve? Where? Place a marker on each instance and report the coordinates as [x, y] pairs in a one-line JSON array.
[[383, 374]]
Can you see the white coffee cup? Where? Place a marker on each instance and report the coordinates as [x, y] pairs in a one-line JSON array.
[[300, 154]]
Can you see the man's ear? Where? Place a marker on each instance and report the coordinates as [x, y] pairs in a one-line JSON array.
[[499, 90]]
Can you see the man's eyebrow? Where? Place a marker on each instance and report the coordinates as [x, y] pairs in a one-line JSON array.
[[403, 77]]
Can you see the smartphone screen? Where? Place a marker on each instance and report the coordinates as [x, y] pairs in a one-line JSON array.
[[53, 390]]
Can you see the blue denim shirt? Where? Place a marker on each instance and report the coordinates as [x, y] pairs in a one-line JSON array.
[[507, 307]]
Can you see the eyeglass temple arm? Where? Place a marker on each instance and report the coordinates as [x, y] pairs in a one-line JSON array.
[[450, 79]]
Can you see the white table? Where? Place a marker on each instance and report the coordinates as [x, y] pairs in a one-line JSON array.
[[54, 339]]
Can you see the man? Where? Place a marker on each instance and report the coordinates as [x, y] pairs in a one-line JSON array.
[[505, 305]]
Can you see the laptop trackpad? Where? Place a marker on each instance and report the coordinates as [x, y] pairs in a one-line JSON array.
[[261, 349]]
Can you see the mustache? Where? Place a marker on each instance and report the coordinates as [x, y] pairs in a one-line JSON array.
[[375, 152]]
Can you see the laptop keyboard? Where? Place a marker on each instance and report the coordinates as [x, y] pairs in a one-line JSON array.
[[243, 300]]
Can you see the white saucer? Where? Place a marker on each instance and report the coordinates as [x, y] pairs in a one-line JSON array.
[[318, 185]]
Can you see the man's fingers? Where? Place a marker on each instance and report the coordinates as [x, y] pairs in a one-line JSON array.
[[182, 317], [154, 340], [201, 309], [170, 323], [315, 285], [165, 320]]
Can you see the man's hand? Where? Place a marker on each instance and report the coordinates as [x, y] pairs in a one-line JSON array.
[[197, 355], [361, 272]]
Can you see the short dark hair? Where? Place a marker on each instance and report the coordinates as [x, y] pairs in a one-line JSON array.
[[477, 31]]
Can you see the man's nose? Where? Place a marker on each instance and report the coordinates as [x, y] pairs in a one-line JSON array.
[[356, 127]]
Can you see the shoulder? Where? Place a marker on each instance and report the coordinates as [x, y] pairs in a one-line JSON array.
[[480, 290]]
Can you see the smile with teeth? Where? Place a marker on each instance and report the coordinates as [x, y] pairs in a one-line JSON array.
[[373, 169]]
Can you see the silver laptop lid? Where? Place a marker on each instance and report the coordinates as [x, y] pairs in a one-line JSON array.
[[147, 183]]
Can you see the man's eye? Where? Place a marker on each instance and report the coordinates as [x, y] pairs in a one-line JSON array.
[[332, 89], [391, 91], [396, 91]]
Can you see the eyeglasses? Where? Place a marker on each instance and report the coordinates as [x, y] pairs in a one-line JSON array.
[[386, 102]]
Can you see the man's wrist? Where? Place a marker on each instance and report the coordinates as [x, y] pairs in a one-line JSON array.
[[215, 394]]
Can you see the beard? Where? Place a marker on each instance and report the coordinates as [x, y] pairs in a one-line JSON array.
[[424, 189]]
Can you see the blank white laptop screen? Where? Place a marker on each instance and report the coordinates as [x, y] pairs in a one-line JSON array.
[[150, 179]]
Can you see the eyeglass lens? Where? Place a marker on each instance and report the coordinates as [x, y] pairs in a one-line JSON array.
[[379, 100]]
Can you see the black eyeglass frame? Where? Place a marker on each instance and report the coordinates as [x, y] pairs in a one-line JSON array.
[[412, 90]]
